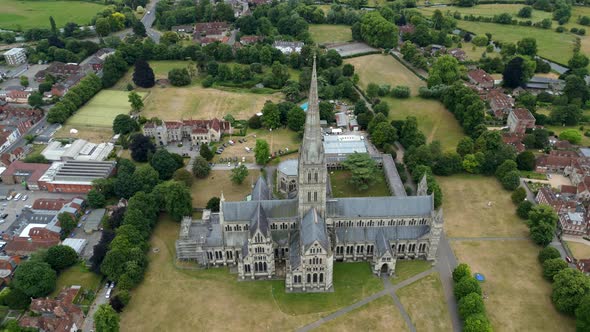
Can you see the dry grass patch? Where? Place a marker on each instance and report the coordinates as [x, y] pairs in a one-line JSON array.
[[91, 134], [518, 298], [467, 214], [424, 301], [200, 103], [580, 250], [384, 69], [378, 315], [218, 182], [405, 269], [278, 139], [170, 299]]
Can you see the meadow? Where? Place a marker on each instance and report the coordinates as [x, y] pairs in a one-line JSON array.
[[330, 33], [489, 10], [22, 15]]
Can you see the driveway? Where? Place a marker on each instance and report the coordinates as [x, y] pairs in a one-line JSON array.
[[100, 299]]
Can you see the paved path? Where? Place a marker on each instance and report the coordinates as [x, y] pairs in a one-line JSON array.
[[445, 264], [224, 167], [100, 299], [389, 289]]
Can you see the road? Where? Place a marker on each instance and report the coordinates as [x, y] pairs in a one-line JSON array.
[[100, 299], [148, 20]]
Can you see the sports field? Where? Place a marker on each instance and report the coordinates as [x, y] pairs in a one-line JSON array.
[[434, 120], [22, 15], [384, 69], [580, 250], [330, 33]]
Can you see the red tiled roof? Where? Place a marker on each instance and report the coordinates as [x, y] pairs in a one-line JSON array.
[[556, 161], [18, 166], [523, 114], [480, 76], [566, 189], [53, 204]]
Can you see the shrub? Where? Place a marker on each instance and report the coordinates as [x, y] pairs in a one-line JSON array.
[[518, 195], [548, 253], [400, 91], [480, 41], [461, 271], [466, 286], [471, 304]]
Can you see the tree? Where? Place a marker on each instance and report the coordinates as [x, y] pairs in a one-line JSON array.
[[518, 195], [548, 253], [526, 161], [213, 204], [177, 199], [206, 152], [164, 162], [446, 70], [141, 148], [296, 118], [571, 135], [139, 29], [515, 73], [383, 133], [552, 266], [466, 286], [576, 87], [135, 101], [348, 70], [102, 26], [36, 100], [255, 122], [34, 278], [183, 176], [16, 299], [61, 257], [511, 180], [24, 81], [477, 323], [525, 12], [471, 304], [363, 170], [377, 31], [523, 209], [106, 319], [271, 116], [67, 222], [527, 46], [201, 167], [461, 271], [506, 167], [145, 178], [570, 286], [179, 77], [583, 314], [261, 152], [238, 174], [568, 115], [124, 124], [96, 199], [143, 75]]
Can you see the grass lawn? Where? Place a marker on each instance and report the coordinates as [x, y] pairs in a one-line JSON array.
[[467, 214], [330, 33], [475, 54], [200, 103], [384, 69], [558, 129], [489, 10], [341, 187], [278, 139], [352, 282], [518, 297], [204, 298], [219, 181], [434, 120], [552, 45], [580, 250], [378, 315], [22, 15], [425, 303], [405, 269], [77, 275]]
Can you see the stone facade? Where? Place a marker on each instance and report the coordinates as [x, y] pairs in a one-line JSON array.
[[299, 239], [197, 131]]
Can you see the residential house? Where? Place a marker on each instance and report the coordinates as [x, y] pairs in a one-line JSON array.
[[56, 315], [458, 54], [519, 120], [18, 97], [574, 223], [480, 78], [248, 40], [515, 140], [210, 31], [500, 103], [559, 203], [584, 265], [7, 266], [58, 70], [32, 239]]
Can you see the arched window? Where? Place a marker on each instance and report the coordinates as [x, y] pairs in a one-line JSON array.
[[315, 196], [315, 277], [316, 177], [309, 177], [321, 277], [309, 196], [308, 278], [264, 266]]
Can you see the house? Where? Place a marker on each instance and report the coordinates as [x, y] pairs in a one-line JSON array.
[[480, 78], [519, 120], [56, 315], [9, 157], [584, 265], [514, 140], [500, 103], [574, 223], [197, 131], [287, 47], [210, 30], [458, 54], [248, 40], [560, 204], [33, 238], [7, 266], [183, 29], [18, 97], [59, 70]]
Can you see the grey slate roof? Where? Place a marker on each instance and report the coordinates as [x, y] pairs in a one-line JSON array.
[[381, 244], [294, 250], [313, 228], [281, 237], [242, 211], [258, 221], [289, 167], [260, 191], [388, 206], [391, 233]]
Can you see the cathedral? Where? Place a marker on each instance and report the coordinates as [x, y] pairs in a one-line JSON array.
[[299, 239]]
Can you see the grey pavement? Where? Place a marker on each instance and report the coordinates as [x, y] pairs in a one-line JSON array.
[[225, 167], [99, 299], [400, 158], [399, 304], [445, 264]]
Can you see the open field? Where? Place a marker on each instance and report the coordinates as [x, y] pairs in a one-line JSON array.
[[476, 54], [434, 120], [201, 103], [22, 15], [278, 139], [330, 33], [552, 45], [467, 214], [341, 187], [558, 129], [405, 269], [219, 181], [77, 275], [580, 250], [425, 303], [518, 298], [204, 298], [94, 121], [489, 10], [384, 69], [378, 315]]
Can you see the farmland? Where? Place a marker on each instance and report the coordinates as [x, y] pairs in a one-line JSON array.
[[22, 15]]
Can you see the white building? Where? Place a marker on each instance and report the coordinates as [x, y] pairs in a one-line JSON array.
[[78, 150], [15, 56], [287, 47]]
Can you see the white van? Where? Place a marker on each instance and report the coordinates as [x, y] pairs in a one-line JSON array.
[[17, 197]]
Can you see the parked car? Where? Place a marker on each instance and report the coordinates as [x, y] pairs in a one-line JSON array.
[[17, 196], [25, 197], [568, 259]]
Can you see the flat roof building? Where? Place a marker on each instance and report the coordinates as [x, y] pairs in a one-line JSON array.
[[93, 220], [78, 150], [15, 56], [75, 176], [76, 244], [27, 173], [338, 147]]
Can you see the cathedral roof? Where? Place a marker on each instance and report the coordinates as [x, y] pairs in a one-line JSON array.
[[370, 234], [387, 206], [260, 191], [312, 150], [242, 211], [258, 221], [294, 248], [313, 228], [381, 244]]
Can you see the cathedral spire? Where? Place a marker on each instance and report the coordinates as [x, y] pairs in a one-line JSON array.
[[312, 140]]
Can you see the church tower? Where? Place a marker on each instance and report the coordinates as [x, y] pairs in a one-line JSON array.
[[313, 173]]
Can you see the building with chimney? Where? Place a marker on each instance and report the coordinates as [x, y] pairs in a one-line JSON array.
[[300, 238]]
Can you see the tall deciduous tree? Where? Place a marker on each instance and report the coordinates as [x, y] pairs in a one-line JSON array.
[[363, 170], [61, 257], [583, 314], [163, 162], [570, 286], [34, 278], [106, 319], [184, 176], [124, 124], [261, 152], [141, 148], [201, 167], [177, 199], [206, 152], [239, 174], [135, 101], [96, 199], [446, 70], [470, 304], [143, 75]]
